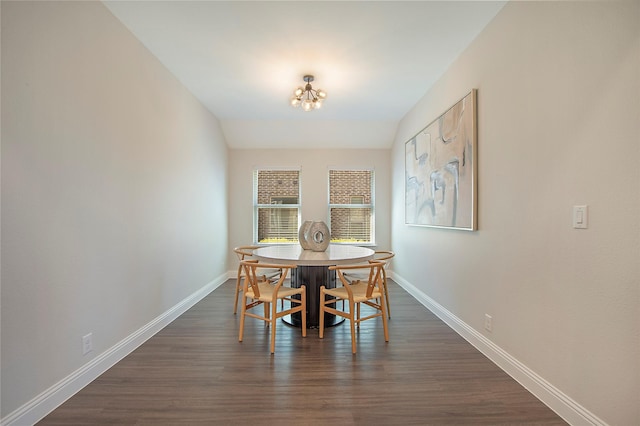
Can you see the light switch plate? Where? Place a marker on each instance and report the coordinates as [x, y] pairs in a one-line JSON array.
[[580, 217]]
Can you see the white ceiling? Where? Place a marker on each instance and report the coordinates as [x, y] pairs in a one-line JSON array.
[[243, 59]]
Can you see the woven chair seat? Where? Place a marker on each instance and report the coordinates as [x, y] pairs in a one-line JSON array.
[[359, 290], [266, 292]]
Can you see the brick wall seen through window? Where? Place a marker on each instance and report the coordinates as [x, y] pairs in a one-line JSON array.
[[277, 206], [351, 208]]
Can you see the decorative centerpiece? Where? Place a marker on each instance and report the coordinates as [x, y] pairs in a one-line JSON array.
[[314, 235]]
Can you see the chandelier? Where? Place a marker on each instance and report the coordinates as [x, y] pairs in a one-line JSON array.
[[308, 97]]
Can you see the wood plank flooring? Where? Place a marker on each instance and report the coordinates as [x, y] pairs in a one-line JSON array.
[[196, 372]]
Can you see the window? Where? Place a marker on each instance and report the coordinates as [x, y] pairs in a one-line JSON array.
[[276, 206], [351, 207]]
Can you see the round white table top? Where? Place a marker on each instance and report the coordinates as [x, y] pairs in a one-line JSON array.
[[336, 254]]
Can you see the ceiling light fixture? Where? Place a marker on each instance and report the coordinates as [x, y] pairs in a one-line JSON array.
[[308, 97]]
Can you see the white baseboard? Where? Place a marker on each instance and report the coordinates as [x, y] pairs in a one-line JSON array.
[[36, 409], [554, 398]]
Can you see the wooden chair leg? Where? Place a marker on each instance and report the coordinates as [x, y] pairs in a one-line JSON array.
[[385, 326], [353, 328], [267, 312], [238, 291], [386, 291], [386, 296], [242, 316], [272, 322]]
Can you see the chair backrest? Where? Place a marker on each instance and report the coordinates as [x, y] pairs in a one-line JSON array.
[[376, 270], [252, 268], [244, 251], [385, 255]]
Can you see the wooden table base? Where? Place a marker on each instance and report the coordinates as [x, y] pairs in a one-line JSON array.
[[313, 277]]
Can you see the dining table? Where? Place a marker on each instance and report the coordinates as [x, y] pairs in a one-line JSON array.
[[312, 270]]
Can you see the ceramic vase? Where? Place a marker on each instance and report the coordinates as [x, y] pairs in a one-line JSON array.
[[302, 234], [314, 235]]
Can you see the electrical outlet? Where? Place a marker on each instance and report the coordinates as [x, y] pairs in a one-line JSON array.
[[87, 343], [488, 322]]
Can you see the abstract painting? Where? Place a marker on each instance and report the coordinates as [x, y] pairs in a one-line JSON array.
[[440, 170]]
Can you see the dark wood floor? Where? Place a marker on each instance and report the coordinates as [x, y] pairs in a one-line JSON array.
[[196, 372]]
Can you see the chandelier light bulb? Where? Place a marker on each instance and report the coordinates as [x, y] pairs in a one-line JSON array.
[[307, 104]]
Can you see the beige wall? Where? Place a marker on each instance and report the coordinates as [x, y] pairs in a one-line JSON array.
[[314, 168], [559, 125], [114, 188]]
